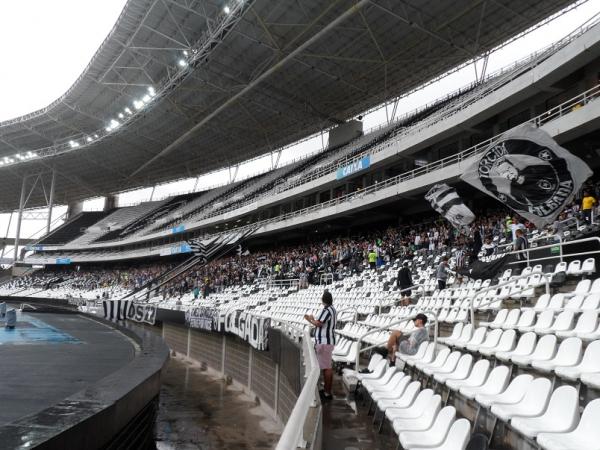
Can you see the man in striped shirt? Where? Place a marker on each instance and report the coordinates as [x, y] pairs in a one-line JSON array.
[[325, 340]]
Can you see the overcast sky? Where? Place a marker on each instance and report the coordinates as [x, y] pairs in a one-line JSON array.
[[46, 44]]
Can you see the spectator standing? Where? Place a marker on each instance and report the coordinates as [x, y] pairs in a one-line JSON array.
[[196, 292], [372, 257], [587, 204], [325, 340], [521, 245], [405, 280], [442, 273]]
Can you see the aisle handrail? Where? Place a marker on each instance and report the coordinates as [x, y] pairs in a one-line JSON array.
[[501, 285], [560, 244]]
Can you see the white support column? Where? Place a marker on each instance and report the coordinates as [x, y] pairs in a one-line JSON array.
[[6, 235], [51, 202], [20, 217]]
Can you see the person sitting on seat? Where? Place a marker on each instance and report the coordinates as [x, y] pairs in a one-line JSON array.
[[408, 344]]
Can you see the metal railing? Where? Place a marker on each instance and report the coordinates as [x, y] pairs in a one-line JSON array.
[[501, 285], [388, 326], [349, 308], [560, 245]]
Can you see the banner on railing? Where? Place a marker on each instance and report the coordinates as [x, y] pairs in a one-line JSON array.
[[529, 172], [361, 164], [251, 328], [143, 313], [202, 318]]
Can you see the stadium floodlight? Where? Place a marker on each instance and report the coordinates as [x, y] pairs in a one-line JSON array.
[[18, 155], [185, 53], [182, 62], [138, 104], [121, 115], [88, 138], [226, 9], [146, 98], [74, 144], [151, 90], [30, 154], [95, 136], [127, 110]]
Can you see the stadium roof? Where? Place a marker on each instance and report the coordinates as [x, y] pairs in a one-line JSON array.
[[184, 87]]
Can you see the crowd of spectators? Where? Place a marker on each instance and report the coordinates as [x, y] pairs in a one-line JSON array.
[[335, 257]]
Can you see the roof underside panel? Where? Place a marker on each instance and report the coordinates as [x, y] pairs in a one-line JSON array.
[[384, 49]]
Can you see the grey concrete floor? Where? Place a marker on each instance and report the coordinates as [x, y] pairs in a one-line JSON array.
[[346, 425], [198, 411]]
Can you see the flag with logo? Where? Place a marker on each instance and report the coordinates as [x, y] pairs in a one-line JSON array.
[[448, 203], [529, 172]]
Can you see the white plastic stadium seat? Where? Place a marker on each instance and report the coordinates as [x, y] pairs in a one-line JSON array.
[[505, 344], [475, 341], [423, 420], [457, 437], [438, 362], [568, 354], [514, 392], [456, 331], [533, 403], [586, 323], [544, 350], [461, 372], [544, 320], [585, 437], [433, 436], [560, 416], [412, 411], [524, 347], [589, 364], [495, 383], [475, 379]]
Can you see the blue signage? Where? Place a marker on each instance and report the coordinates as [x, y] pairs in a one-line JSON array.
[[178, 229], [35, 247], [183, 248], [361, 164], [63, 260]]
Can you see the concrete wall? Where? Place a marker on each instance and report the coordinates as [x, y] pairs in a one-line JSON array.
[[255, 371]]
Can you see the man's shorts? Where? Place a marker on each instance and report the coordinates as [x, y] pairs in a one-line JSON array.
[[324, 352]]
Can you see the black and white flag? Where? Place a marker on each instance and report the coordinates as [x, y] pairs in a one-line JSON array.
[[198, 248], [447, 202], [529, 172]]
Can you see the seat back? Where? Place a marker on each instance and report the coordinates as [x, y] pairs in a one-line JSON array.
[[443, 422], [478, 336], [588, 425], [545, 319], [441, 357], [375, 359], [457, 436], [564, 321], [492, 338], [464, 366], [592, 301], [518, 387], [526, 344], [569, 352], [410, 393], [591, 357], [451, 362], [527, 318], [498, 378], [507, 341], [500, 317], [513, 317], [583, 287], [423, 399], [587, 322], [456, 331], [545, 348], [542, 301], [537, 395], [479, 372], [563, 407]]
